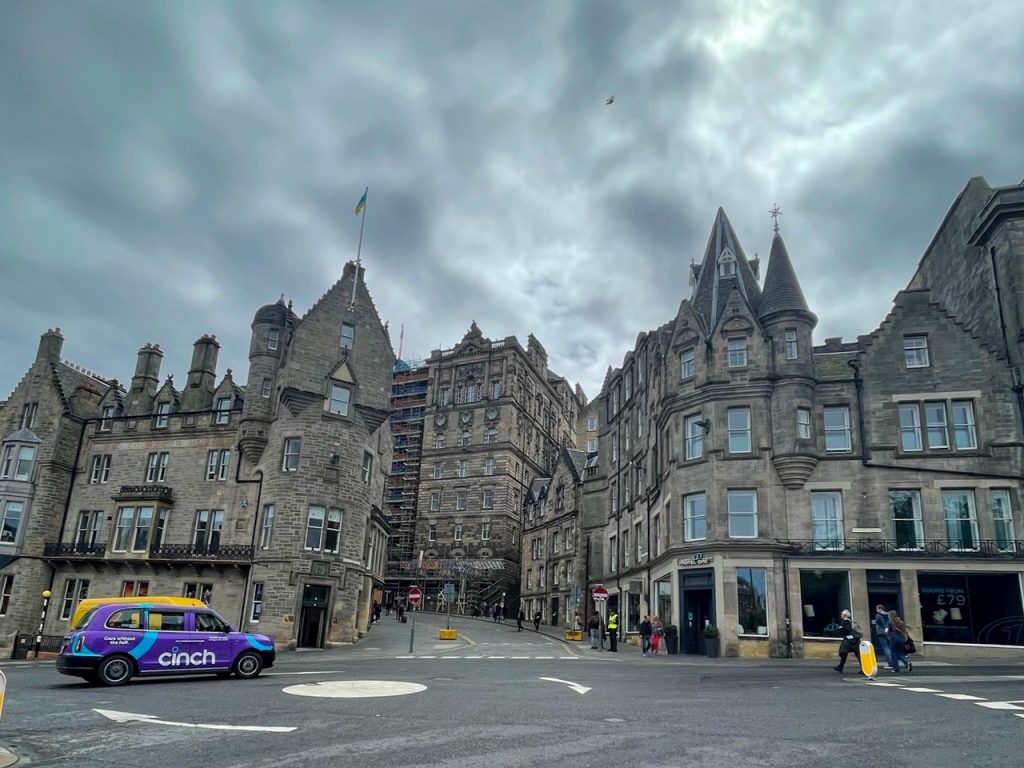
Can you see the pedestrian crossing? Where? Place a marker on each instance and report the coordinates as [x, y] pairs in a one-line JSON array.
[[487, 657]]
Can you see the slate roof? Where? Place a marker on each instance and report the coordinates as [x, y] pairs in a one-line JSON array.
[[781, 288], [579, 461], [712, 290], [539, 488], [22, 435]]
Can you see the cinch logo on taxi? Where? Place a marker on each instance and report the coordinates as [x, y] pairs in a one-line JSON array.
[[183, 659]]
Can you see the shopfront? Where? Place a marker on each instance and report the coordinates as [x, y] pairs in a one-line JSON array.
[[971, 608]]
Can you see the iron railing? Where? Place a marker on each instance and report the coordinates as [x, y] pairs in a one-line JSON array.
[[991, 548], [216, 552], [74, 550]]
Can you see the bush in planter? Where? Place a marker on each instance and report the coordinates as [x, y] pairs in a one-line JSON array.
[[711, 641], [710, 632], [671, 639]]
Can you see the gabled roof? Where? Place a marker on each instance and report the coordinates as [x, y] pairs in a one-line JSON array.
[[577, 461], [781, 288], [712, 289], [23, 435], [538, 489]]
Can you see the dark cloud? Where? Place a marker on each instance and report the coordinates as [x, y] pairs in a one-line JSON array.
[[167, 168]]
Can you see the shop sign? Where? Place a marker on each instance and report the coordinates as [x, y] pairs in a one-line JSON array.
[[698, 559]]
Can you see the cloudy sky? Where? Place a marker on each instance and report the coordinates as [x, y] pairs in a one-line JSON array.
[[168, 167]]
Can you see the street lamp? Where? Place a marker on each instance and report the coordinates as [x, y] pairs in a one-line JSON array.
[[42, 621]]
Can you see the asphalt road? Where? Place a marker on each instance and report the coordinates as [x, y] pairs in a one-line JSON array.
[[482, 701]]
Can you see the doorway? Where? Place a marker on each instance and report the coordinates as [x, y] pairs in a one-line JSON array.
[[883, 589], [554, 611], [698, 612], [313, 617]]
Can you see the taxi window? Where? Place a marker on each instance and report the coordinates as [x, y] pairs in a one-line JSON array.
[[207, 622], [130, 618], [167, 621], [87, 617]]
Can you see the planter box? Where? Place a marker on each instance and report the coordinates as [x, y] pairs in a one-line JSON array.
[[449, 634], [712, 646], [672, 645], [573, 634]]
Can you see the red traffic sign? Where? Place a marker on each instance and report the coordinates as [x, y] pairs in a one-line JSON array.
[[415, 595], [600, 594]]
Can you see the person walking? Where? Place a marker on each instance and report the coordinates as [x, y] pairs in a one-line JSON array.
[[656, 630], [594, 629], [520, 619], [645, 635], [536, 621], [613, 631], [851, 635], [881, 626], [899, 635]]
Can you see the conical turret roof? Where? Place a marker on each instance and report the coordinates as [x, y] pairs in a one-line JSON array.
[[714, 284], [782, 291]]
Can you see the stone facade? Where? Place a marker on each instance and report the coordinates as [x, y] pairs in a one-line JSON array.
[[260, 499], [750, 481], [496, 418]]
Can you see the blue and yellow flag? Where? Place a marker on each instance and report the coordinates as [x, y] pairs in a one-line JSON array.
[[361, 205]]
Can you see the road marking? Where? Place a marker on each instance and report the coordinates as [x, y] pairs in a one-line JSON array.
[[474, 657], [132, 717], [405, 657], [961, 697], [880, 684], [614, 720], [451, 657], [998, 705], [569, 658], [921, 690], [580, 689], [325, 672], [354, 689], [519, 657], [497, 657]]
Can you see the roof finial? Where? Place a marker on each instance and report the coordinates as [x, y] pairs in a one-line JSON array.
[[775, 212]]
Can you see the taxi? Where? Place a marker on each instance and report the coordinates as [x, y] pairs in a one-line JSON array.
[[117, 641]]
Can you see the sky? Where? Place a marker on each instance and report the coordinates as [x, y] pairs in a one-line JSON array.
[[166, 168]]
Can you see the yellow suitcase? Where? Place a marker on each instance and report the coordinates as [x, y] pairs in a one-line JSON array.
[[868, 662]]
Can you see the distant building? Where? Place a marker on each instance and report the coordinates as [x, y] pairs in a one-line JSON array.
[[264, 499], [496, 418], [751, 481]]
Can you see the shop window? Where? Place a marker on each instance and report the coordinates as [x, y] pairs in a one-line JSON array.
[[983, 608], [824, 595], [752, 601]]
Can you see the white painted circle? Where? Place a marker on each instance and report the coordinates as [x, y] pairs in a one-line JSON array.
[[354, 689]]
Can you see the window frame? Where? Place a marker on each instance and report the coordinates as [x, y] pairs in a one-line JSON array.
[[734, 432], [910, 430], [290, 457], [737, 493], [832, 431], [1005, 541], [6, 591], [688, 363], [339, 406], [830, 520], [348, 334], [736, 353], [9, 507], [208, 536], [691, 515], [162, 415], [804, 419], [971, 424], [693, 442], [912, 351], [267, 526], [972, 543], [763, 574], [916, 520], [367, 467], [940, 427], [273, 339], [222, 410], [791, 341]]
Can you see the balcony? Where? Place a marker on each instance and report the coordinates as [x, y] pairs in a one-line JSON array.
[[220, 553], [980, 548], [73, 550]]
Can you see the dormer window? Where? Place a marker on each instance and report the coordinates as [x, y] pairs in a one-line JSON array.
[[727, 264], [162, 412], [109, 411], [17, 462], [340, 399]]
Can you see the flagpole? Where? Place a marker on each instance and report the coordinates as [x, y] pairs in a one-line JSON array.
[[359, 248]]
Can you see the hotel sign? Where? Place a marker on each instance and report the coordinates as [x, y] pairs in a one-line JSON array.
[[698, 558]]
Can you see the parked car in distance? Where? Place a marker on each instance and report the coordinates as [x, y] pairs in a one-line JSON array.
[[84, 606], [117, 641]]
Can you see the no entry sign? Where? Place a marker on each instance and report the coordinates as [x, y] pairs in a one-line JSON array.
[[600, 594], [415, 595]]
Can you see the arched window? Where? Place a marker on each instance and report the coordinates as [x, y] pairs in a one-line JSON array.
[[727, 264]]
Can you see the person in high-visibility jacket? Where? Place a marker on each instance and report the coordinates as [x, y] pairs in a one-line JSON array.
[[613, 631]]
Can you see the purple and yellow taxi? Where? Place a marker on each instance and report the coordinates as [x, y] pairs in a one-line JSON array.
[[117, 641]]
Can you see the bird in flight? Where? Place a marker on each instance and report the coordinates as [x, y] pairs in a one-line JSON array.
[[610, 100]]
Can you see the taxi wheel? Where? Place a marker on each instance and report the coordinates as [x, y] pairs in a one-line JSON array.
[[115, 670], [248, 665]]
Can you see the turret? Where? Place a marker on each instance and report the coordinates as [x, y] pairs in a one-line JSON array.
[[784, 315], [270, 328], [145, 381], [202, 376]]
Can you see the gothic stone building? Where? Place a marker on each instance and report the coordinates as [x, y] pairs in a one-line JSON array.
[[263, 500], [751, 481], [496, 418]]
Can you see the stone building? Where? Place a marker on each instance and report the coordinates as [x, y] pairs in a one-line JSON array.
[[262, 499], [751, 481], [496, 418], [553, 580]]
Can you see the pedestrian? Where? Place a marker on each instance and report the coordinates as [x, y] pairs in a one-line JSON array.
[[577, 622], [496, 613], [536, 621], [594, 628], [613, 631], [656, 630], [851, 635], [881, 627], [899, 637], [520, 619], [645, 635]]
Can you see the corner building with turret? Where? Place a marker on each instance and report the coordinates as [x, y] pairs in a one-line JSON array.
[[262, 498], [749, 481]]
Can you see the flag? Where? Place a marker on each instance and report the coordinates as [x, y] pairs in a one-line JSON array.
[[361, 205]]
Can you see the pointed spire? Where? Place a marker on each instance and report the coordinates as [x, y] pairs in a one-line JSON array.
[[781, 288], [723, 269]]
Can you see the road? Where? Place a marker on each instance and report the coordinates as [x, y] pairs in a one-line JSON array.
[[484, 700]]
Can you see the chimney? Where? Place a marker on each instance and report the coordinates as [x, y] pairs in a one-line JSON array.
[[198, 394], [145, 381], [50, 345]]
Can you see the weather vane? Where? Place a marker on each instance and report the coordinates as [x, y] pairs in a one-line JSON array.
[[775, 212]]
